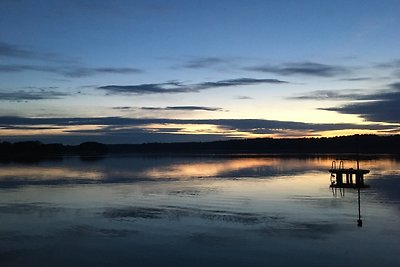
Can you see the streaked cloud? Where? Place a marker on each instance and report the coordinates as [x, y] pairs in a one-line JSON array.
[[243, 97], [23, 95], [184, 108], [179, 87], [205, 62], [123, 108], [49, 62], [345, 94], [21, 53], [84, 72], [67, 71], [383, 106], [237, 82], [148, 88], [356, 79], [394, 64], [224, 127], [14, 51], [23, 67], [302, 68]]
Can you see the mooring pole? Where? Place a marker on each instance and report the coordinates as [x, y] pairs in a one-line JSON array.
[[357, 150], [359, 221]]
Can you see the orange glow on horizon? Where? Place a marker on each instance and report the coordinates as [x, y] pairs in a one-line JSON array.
[[183, 129], [48, 130]]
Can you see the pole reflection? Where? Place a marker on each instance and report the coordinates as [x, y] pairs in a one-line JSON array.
[[342, 178]]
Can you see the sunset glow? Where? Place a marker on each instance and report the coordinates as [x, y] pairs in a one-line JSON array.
[[150, 71]]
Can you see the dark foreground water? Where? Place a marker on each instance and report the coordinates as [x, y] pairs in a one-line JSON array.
[[196, 211]]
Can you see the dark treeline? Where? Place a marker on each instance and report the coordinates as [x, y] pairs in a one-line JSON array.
[[34, 150], [364, 144], [344, 144]]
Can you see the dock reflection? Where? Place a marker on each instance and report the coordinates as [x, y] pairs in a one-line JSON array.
[[342, 178]]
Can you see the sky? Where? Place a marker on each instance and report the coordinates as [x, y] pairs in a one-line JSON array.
[[167, 71]]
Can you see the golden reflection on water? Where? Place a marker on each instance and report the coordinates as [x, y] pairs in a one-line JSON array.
[[37, 172], [220, 166], [209, 169], [189, 168]]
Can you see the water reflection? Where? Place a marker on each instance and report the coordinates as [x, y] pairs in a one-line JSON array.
[[45, 172], [130, 169], [199, 211], [342, 178], [341, 191]]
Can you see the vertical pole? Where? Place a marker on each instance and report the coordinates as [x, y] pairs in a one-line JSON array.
[[359, 221], [357, 150]]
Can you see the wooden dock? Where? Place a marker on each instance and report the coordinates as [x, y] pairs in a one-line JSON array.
[[347, 178]]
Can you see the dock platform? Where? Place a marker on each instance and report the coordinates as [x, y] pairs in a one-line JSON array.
[[347, 178]]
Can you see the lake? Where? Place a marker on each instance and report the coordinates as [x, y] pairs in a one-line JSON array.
[[197, 211]]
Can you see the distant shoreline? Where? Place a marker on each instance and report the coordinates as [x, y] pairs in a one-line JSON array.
[[351, 145]]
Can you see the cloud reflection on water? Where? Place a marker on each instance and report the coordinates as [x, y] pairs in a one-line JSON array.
[[132, 169]]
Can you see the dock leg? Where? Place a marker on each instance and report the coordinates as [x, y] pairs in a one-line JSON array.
[[339, 178]]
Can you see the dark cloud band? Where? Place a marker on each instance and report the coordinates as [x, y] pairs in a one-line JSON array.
[[250, 125], [302, 68], [178, 87], [31, 95], [184, 108], [383, 106], [67, 71]]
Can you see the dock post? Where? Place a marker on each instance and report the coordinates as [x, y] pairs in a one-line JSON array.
[[359, 179], [339, 178]]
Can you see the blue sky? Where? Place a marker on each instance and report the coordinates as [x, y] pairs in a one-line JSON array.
[[144, 71]]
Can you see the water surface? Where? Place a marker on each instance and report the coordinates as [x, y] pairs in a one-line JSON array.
[[196, 211]]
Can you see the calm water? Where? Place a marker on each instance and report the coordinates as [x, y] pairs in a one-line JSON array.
[[196, 211]]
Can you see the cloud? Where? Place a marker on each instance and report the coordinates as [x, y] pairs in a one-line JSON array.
[[13, 51], [346, 94], [394, 64], [237, 82], [147, 88], [52, 63], [130, 130], [205, 62], [271, 126], [114, 125], [84, 71], [31, 127], [302, 68], [31, 95], [356, 79], [67, 71], [395, 86], [184, 108], [123, 108], [178, 87], [382, 106], [9, 50], [378, 111], [243, 97], [22, 67]]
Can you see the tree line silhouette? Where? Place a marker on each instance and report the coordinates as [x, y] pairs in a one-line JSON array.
[[35, 150], [363, 144]]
